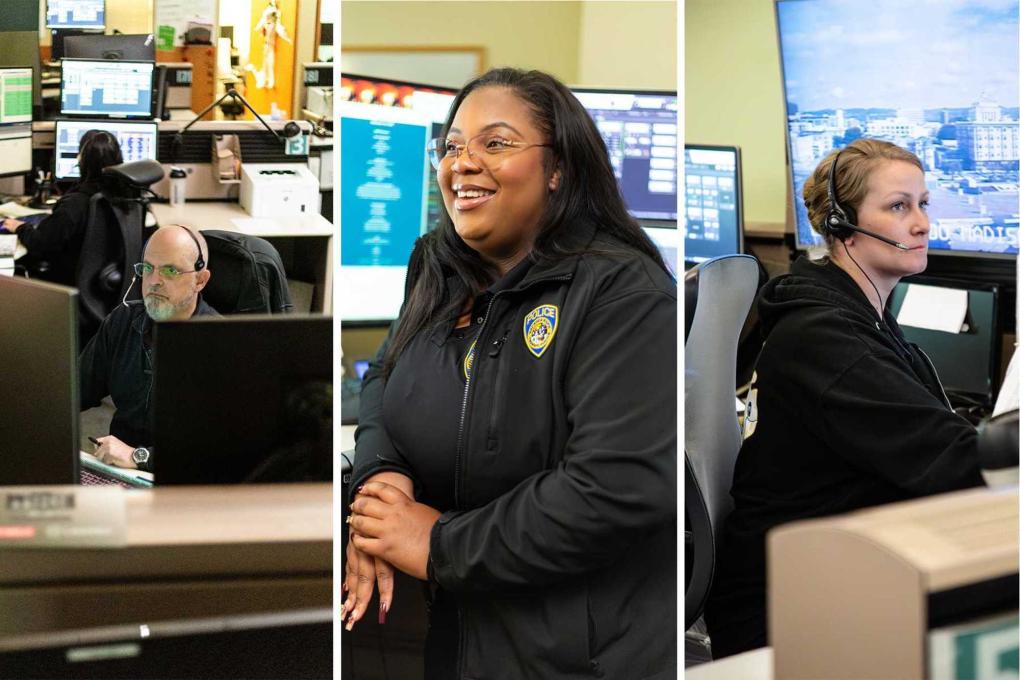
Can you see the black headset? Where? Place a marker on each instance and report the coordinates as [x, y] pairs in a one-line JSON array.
[[841, 222], [199, 262]]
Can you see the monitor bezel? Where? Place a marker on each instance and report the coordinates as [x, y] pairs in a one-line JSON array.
[[99, 124], [739, 172], [64, 26], [792, 185], [112, 116], [4, 126]]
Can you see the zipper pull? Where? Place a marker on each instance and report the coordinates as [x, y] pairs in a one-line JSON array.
[[497, 345]]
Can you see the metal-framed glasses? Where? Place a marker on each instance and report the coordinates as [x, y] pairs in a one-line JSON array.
[[167, 271], [487, 148]]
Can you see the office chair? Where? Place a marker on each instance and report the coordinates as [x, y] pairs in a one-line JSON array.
[[248, 275], [718, 296], [113, 239]]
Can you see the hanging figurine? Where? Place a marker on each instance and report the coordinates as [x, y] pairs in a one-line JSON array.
[[271, 26]]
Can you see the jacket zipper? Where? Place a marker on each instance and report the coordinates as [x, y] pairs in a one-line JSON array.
[[460, 440]]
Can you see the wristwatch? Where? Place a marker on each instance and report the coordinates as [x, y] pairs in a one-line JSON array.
[[141, 457]]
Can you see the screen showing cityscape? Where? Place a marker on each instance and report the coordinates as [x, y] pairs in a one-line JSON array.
[[106, 88], [640, 132], [383, 181], [713, 223], [937, 78], [137, 142], [15, 95], [75, 13]]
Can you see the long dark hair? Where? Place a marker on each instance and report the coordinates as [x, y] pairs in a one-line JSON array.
[[587, 194], [98, 149]]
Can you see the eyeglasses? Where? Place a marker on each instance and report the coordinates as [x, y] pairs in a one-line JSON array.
[[489, 149], [167, 271]]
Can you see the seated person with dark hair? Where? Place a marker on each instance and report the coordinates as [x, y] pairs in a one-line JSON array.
[[57, 239], [118, 360]]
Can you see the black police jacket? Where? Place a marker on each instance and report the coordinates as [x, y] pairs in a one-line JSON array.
[[843, 414], [561, 552]]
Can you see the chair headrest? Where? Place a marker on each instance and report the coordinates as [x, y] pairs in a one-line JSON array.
[[137, 174]]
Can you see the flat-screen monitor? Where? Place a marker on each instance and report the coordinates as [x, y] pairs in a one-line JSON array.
[[243, 398], [141, 47], [138, 142], [713, 219], [953, 102], [384, 176], [640, 130], [104, 87], [15, 95], [966, 357], [39, 388], [292, 644], [667, 240], [75, 13]]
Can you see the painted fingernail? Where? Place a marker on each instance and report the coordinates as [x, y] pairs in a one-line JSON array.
[[383, 608], [343, 613], [350, 625], [349, 518]]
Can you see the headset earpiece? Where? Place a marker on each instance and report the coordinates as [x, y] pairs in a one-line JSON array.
[[199, 261]]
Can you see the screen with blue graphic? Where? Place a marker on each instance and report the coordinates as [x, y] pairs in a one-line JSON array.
[[106, 88], [940, 79], [640, 132], [75, 13], [713, 220], [137, 142], [383, 177]]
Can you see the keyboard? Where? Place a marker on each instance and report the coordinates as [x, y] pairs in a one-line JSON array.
[[89, 478]]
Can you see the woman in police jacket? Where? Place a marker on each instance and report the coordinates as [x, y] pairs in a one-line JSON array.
[[517, 439]]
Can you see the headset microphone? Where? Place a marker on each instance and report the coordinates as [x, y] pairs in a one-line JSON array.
[[838, 221], [128, 291]]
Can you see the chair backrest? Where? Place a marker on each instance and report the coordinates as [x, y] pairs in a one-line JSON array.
[[111, 245], [247, 275], [718, 294]]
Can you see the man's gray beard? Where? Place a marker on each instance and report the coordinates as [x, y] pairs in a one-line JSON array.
[[159, 309]]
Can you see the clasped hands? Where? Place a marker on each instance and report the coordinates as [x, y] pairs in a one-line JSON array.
[[388, 530]]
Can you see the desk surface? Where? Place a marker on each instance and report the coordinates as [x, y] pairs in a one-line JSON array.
[[753, 665], [230, 216]]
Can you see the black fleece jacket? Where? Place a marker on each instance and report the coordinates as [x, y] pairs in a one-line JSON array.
[[843, 414]]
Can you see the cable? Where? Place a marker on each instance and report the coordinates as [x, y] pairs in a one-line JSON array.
[[877, 294]]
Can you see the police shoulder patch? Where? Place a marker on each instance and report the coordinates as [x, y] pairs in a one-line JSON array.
[[540, 328]]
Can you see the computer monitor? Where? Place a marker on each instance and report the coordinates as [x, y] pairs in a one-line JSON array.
[[640, 130], [667, 240], [138, 142], [103, 87], [713, 216], [39, 387], [383, 187], [843, 80], [243, 398], [15, 95], [141, 47], [76, 14], [289, 644], [967, 362]]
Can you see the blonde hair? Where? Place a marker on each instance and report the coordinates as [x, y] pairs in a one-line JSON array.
[[856, 162]]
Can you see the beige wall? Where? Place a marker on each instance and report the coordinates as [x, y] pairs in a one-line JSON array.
[[628, 44], [734, 95], [614, 44]]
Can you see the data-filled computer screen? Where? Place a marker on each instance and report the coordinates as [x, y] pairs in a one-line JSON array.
[[137, 142], [382, 205], [939, 79], [713, 221], [667, 240], [15, 95], [106, 88], [640, 131], [75, 13]]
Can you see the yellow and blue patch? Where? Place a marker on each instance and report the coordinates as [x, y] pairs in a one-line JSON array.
[[469, 360], [540, 328]]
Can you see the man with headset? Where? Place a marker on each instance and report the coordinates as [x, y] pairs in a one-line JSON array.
[[118, 360]]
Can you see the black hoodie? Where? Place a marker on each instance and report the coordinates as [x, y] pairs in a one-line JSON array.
[[843, 414]]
